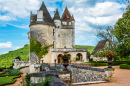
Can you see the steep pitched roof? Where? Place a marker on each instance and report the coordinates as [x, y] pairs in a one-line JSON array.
[[72, 18], [46, 15], [66, 15], [56, 16], [99, 46]]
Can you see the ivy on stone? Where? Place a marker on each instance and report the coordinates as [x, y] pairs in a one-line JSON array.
[[40, 51]]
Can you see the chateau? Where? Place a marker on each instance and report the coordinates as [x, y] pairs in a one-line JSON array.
[[58, 31]]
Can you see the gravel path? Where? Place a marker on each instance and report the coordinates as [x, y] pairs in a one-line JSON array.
[[24, 71], [122, 78]]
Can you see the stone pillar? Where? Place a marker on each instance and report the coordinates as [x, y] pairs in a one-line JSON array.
[[19, 65], [84, 57], [109, 73]]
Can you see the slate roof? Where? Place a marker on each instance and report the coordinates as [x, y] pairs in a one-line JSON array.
[[66, 15], [56, 16], [46, 17], [99, 46], [72, 18]]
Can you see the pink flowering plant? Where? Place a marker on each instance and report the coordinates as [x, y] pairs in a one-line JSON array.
[[66, 55], [108, 54]]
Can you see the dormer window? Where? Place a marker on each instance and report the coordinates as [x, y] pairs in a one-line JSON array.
[[64, 23]]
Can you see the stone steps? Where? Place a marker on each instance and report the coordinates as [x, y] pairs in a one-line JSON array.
[[91, 82]]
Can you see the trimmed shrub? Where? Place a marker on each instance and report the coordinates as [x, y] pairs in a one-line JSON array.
[[128, 66], [91, 59], [99, 64], [123, 66], [120, 62]]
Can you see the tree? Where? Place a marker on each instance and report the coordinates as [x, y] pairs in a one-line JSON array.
[[109, 36], [18, 57], [122, 33], [112, 42]]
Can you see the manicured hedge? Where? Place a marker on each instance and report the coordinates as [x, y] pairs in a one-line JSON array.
[[114, 63], [124, 66], [99, 64], [120, 62], [13, 72]]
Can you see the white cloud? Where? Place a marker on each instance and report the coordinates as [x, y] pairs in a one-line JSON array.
[[17, 8], [20, 26], [89, 15], [6, 45], [15, 48], [6, 18], [51, 9]]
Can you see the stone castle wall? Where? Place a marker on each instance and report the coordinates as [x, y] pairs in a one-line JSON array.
[[43, 33]]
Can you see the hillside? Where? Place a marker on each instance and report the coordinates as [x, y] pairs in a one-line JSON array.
[[89, 48], [6, 60]]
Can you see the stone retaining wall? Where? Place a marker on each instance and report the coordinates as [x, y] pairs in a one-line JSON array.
[[86, 74]]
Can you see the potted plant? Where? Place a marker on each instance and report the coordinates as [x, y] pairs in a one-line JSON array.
[[65, 58], [109, 56]]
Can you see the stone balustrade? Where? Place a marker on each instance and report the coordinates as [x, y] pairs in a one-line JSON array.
[[68, 49]]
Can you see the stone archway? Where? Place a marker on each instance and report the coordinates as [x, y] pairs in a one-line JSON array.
[[79, 57]]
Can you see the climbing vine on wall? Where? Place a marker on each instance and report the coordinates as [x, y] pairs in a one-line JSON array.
[[40, 51]]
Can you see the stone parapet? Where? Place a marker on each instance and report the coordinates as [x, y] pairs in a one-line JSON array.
[[109, 73], [87, 74]]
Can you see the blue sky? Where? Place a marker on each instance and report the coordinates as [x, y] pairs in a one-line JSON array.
[[89, 16]]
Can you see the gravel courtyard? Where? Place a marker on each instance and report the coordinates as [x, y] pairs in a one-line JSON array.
[[122, 78]]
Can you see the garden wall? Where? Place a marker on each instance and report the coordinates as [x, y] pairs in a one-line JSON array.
[[87, 74]]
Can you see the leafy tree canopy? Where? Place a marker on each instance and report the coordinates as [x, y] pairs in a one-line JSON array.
[[122, 33]]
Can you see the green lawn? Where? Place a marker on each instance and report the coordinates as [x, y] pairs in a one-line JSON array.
[[7, 80]]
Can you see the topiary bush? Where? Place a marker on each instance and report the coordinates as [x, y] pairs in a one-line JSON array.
[[15, 72], [123, 66], [99, 64], [128, 66], [91, 59]]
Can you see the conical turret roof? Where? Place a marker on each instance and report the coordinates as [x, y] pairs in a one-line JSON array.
[[72, 18], [66, 15], [56, 16], [46, 15]]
